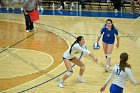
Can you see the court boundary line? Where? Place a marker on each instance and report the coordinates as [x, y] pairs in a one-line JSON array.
[[42, 75], [19, 42], [8, 54], [52, 61]]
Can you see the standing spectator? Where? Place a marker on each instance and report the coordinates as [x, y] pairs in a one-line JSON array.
[[7, 4], [0, 3], [63, 4], [29, 6], [40, 5], [117, 5], [21, 3]]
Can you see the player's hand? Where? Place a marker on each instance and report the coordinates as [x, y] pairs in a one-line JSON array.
[[103, 88], [26, 13]]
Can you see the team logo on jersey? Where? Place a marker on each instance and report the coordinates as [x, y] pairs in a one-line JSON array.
[[108, 35]]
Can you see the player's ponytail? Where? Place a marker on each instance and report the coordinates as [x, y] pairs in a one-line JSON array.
[[123, 61], [78, 39]]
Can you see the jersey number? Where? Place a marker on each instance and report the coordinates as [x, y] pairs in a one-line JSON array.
[[118, 72]]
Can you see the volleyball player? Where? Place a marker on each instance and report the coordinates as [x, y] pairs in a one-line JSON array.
[[68, 57], [109, 31], [121, 72]]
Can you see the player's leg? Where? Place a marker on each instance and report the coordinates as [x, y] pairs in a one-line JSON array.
[[63, 4], [72, 5], [68, 73], [40, 5], [0, 3], [13, 3], [108, 59], [7, 4], [105, 48], [78, 62], [21, 3]]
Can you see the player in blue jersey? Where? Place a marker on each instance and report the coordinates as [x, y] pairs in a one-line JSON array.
[[109, 32], [120, 72]]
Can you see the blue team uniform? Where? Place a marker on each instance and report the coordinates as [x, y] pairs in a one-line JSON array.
[[108, 35]]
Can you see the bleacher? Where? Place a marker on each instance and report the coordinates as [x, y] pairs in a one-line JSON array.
[[87, 4]]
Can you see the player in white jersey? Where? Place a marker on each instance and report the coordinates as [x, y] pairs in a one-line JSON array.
[[77, 47], [121, 72]]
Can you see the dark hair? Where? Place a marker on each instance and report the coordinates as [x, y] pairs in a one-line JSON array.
[[78, 39], [123, 61], [111, 23]]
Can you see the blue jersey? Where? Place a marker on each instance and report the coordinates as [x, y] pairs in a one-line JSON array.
[[108, 35]]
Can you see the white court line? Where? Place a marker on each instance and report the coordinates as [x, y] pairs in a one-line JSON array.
[[8, 54], [44, 74], [135, 20], [52, 61]]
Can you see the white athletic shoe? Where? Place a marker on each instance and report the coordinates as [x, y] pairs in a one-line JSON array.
[[13, 8], [7, 8], [38, 8], [27, 31], [106, 68], [65, 4], [41, 9], [21, 8], [71, 8], [81, 80], [60, 84], [116, 11], [60, 8]]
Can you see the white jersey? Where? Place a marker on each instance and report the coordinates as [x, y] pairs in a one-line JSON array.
[[120, 76], [75, 49]]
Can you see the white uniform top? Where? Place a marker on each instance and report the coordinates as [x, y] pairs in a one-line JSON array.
[[76, 49], [120, 76]]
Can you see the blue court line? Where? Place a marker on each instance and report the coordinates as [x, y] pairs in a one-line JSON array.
[[77, 13]]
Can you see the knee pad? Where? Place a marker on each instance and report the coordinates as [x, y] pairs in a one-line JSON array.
[[108, 55], [69, 73], [82, 67]]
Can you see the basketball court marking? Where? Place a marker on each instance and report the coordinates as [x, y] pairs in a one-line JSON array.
[[52, 61], [8, 55], [48, 72]]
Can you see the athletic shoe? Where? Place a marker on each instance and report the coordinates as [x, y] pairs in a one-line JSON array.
[[60, 84], [27, 31], [81, 80]]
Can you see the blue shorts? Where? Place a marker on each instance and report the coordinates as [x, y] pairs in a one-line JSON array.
[[108, 42], [115, 89]]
